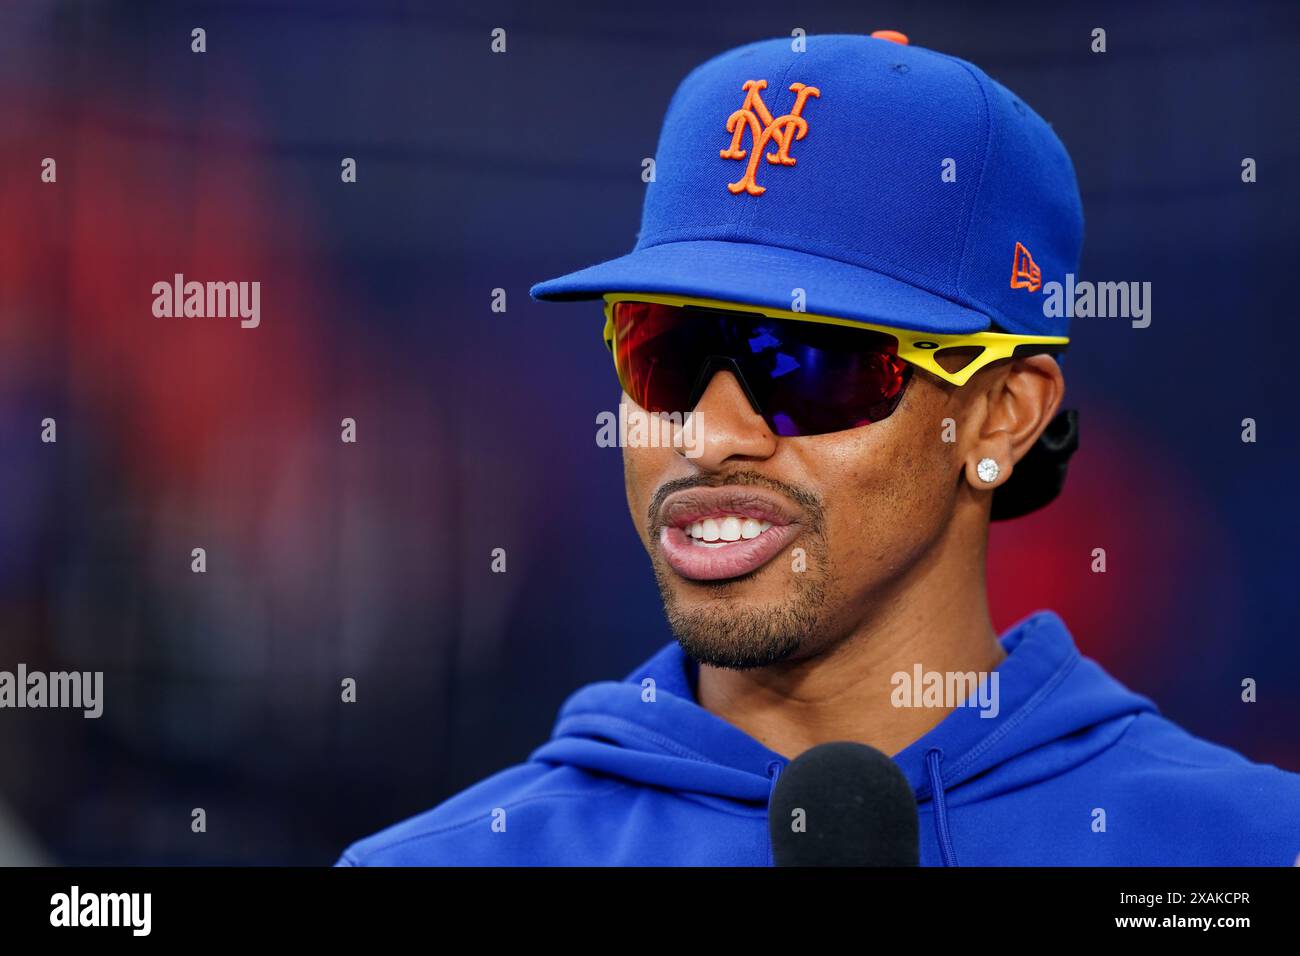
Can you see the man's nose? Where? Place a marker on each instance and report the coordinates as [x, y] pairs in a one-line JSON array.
[[727, 429]]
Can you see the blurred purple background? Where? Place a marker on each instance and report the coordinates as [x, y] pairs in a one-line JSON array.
[[479, 171]]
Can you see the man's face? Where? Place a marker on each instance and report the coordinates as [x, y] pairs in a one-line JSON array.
[[827, 524]]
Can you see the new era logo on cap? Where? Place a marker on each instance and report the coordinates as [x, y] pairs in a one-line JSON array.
[[842, 192], [1025, 273]]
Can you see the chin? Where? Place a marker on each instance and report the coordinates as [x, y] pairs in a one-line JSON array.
[[738, 644], [741, 623]]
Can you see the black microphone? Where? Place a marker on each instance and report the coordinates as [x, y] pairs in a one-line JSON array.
[[843, 804]]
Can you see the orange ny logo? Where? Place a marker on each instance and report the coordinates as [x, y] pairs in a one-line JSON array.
[[755, 117]]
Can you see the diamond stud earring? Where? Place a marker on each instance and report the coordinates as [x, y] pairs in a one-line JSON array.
[[987, 469]]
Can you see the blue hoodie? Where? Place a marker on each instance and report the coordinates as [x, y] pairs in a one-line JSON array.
[[628, 781]]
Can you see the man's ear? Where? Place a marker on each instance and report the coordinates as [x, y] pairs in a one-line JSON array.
[[1019, 400]]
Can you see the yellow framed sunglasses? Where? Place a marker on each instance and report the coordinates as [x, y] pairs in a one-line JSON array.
[[805, 374], [919, 348]]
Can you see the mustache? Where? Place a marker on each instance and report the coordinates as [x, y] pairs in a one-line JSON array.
[[807, 500]]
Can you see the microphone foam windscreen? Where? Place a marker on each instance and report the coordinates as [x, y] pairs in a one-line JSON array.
[[843, 804]]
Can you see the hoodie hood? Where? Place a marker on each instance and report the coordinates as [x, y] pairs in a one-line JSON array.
[[649, 729]]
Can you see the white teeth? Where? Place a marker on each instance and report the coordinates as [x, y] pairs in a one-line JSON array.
[[716, 532]]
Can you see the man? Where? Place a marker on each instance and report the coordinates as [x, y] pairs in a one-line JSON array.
[[839, 273]]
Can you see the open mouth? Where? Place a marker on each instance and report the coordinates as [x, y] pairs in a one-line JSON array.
[[711, 534]]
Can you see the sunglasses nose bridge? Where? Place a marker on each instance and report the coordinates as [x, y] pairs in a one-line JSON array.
[[722, 363]]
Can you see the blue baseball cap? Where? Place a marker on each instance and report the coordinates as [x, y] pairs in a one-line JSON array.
[[890, 183]]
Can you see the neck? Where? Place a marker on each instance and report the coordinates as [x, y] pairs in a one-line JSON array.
[[936, 616]]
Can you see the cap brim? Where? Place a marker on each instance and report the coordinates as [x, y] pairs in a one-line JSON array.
[[753, 274]]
